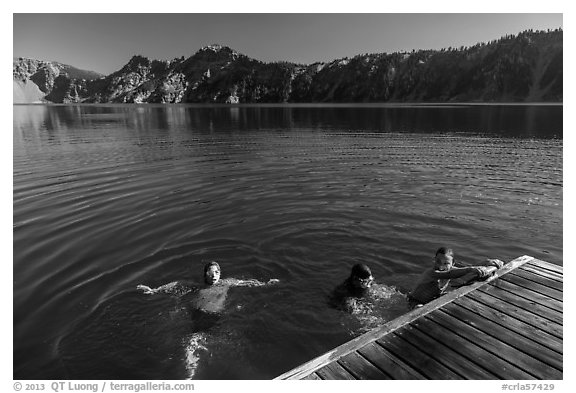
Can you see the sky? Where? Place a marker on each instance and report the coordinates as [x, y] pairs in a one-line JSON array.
[[105, 42]]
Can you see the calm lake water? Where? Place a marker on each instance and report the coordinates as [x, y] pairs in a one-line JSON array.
[[109, 197]]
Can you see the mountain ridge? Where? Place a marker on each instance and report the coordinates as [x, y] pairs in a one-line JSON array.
[[526, 67]]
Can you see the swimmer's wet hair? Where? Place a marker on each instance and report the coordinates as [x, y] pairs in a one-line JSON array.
[[210, 264], [444, 251], [360, 270]]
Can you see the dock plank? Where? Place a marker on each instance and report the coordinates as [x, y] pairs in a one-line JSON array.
[[334, 371], [520, 313], [550, 283], [516, 325], [410, 354], [499, 348], [443, 354], [313, 377], [533, 286], [543, 272], [505, 335], [527, 294], [512, 355], [511, 298], [361, 368], [387, 361], [473, 352], [547, 265]]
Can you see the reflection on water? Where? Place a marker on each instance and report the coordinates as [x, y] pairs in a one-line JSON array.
[[195, 346], [109, 197], [540, 121]]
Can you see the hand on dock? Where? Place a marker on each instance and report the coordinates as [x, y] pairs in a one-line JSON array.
[[484, 272], [494, 262]]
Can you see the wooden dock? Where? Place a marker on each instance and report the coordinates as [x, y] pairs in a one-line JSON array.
[[507, 327]]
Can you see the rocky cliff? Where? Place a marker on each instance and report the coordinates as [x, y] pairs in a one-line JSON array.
[[521, 68], [48, 81]]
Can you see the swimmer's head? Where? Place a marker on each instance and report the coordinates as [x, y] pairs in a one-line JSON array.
[[361, 276], [211, 273], [444, 259]]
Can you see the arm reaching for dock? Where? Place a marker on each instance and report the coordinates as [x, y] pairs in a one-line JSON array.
[[489, 269], [455, 272], [482, 272]]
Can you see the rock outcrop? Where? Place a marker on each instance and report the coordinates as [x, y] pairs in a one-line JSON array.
[[48, 81]]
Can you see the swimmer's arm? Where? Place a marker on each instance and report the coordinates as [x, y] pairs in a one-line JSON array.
[[248, 283], [497, 263], [166, 288], [455, 272]]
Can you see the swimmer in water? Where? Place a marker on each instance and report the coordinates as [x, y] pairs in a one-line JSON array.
[[355, 287], [204, 305], [434, 281], [212, 296]]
